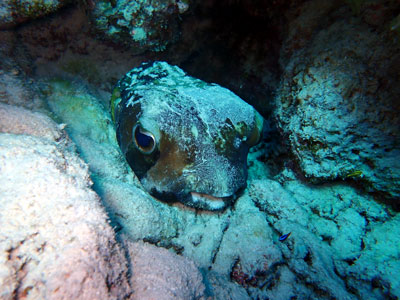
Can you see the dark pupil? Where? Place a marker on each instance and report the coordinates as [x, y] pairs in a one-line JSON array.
[[143, 140]]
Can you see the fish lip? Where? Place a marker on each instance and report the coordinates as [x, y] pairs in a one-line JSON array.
[[209, 202], [210, 197], [226, 198]]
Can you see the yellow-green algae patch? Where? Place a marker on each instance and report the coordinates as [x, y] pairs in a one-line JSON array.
[[80, 110]]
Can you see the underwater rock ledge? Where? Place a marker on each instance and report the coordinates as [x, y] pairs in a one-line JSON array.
[[56, 241], [141, 25], [338, 104], [13, 13]]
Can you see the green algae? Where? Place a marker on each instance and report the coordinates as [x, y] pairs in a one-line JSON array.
[[115, 100], [84, 68], [80, 110], [355, 174]]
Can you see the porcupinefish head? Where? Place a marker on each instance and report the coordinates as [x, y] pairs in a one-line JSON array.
[[186, 140]]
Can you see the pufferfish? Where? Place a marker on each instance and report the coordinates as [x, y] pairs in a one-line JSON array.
[[186, 140]]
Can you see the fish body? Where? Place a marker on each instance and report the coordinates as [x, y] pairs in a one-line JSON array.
[[186, 140], [284, 237]]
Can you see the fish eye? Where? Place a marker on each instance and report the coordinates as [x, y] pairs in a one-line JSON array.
[[144, 140]]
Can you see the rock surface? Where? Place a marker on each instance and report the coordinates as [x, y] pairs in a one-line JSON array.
[[332, 229], [338, 103], [145, 25], [161, 274], [55, 239], [15, 12]]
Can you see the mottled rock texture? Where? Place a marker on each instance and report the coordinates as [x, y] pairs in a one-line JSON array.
[[145, 25], [163, 274], [338, 104], [341, 244], [13, 12], [55, 239]]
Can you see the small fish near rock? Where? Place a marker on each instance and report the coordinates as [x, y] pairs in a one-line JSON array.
[[282, 238], [185, 139]]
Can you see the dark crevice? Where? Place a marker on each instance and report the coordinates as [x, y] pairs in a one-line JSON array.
[[216, 250]]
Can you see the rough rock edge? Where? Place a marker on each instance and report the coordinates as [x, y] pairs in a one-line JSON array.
[[13, 12], [55, 240]]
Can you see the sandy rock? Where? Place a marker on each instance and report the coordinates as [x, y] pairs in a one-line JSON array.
[[309, 260], [136, 214], [55, 239], [17, 120], [17, 89], [247, 254], [153, 278], [201, 235], [351, 226]]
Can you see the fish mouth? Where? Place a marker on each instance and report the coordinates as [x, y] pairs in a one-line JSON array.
[[209, 202], [195, 199]]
